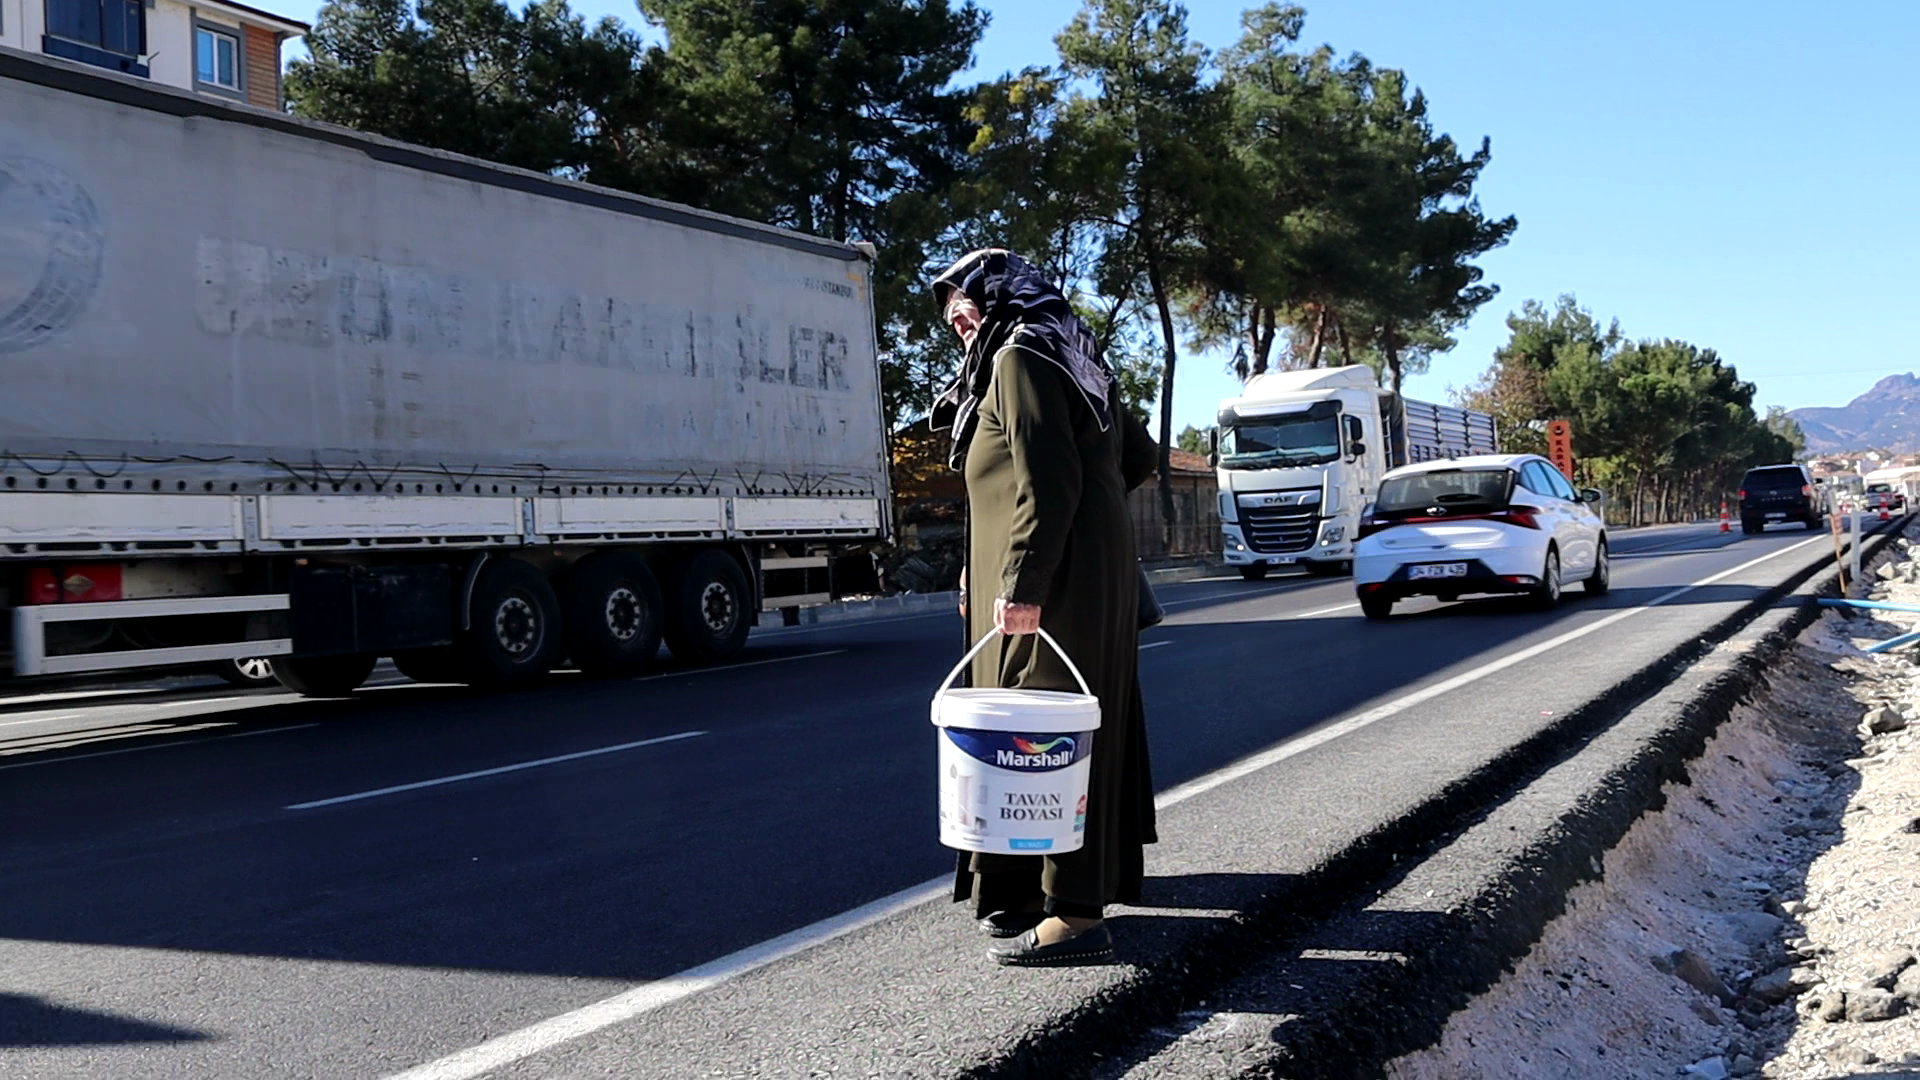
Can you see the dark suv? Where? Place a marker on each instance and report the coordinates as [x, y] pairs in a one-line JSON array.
[[1780, 493]]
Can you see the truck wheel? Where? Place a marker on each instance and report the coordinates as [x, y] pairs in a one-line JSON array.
[[709, 618], [440, 664], [1255, 572], [514, 636], [612, 614], [324, 676], [1330, 567]]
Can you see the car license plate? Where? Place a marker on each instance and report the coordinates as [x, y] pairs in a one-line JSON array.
[[1438, 570], [1777, 515]]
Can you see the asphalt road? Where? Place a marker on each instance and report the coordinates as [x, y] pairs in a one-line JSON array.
[[245, 884]]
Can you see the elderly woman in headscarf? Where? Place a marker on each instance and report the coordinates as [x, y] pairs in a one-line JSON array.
[[1049, 453]]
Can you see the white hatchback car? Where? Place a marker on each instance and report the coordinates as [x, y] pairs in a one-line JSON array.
[[1507, 523]]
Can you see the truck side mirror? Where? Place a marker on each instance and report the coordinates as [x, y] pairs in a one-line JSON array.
[[1356, 448]]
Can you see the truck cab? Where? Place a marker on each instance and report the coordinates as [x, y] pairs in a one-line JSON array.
[[1298, 455]]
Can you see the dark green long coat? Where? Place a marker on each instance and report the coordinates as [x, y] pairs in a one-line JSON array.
[[1046, 491]]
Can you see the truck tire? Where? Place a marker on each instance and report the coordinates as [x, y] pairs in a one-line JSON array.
[[1329, 567], [709, 617], [1255, 572], [514, 636], [440, 664], [324, 676], [612, 614]]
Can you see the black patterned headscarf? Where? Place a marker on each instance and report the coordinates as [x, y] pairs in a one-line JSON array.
[[1019, 308]]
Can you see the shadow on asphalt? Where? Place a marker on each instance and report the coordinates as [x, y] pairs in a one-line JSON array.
[[29, 1022]]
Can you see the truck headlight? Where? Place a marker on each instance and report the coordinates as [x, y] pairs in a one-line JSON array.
[[1333, 534], [1234, 543]]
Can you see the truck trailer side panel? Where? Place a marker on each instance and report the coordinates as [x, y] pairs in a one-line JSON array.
[[227, 296]]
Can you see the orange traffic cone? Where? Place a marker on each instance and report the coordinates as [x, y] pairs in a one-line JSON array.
[[1724, 526]]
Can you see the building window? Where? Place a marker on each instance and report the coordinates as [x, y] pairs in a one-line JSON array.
[[107, 33], [216, 59]]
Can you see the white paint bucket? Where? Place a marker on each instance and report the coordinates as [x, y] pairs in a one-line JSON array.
[[1014, 764]]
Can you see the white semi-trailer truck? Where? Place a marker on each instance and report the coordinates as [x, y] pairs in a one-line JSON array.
[[277, 389], [1300, 454]]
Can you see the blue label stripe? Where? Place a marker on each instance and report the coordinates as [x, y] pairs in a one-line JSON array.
[[998, 748]]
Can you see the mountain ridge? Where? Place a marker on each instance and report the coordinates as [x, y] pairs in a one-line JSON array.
[[1886, 417]]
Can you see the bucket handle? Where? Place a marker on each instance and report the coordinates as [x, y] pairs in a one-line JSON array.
[[947, 683]]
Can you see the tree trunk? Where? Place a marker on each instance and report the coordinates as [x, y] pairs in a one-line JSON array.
[[1390, 344], [1346, 343], [1319, 337], [1259, 340], [1160, 301]]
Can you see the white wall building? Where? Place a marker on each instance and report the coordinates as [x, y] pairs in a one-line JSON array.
[[211, 46]]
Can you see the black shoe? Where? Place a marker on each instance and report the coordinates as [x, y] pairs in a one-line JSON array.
[[1092, 946], [1006, 924]]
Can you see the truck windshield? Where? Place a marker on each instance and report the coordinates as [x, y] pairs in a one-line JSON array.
[[1482, 490], [1283, 440]]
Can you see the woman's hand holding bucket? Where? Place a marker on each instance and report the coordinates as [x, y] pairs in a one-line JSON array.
[[1012, 619]]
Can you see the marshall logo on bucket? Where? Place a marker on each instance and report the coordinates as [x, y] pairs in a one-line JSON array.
[[1022, 753]]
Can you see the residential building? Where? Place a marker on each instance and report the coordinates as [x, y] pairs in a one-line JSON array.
[[213, 47]]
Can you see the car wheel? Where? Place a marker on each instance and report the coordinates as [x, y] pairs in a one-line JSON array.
[[1376, 607], [438, 664], [1546, 596], [324, 676], [251, 671], [1601, 579], [1256, 572]]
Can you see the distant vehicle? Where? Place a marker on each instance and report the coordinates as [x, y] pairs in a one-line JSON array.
[[1490, 524], [1886, 497], [1300, 453], [1775, 494]]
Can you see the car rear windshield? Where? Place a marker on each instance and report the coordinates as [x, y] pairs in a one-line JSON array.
[[1476, 490], [1776, 477], [1880, 489]]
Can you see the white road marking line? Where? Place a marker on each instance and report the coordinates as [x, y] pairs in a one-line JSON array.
[[1154, 645], [43, 719], [1326, 611], [156, 746], [1274, 755], [737, 667], [554, 1031], [416, 786], [531, 1040]]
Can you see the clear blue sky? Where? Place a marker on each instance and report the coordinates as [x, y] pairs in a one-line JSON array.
[[1742, 175]]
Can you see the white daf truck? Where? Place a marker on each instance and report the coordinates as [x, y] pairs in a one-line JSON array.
[[1300, 453], [282, 390]]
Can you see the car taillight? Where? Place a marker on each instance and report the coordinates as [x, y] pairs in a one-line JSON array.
[[1523, 516], [1807, 490], [1369, 526], [1743, 493]]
